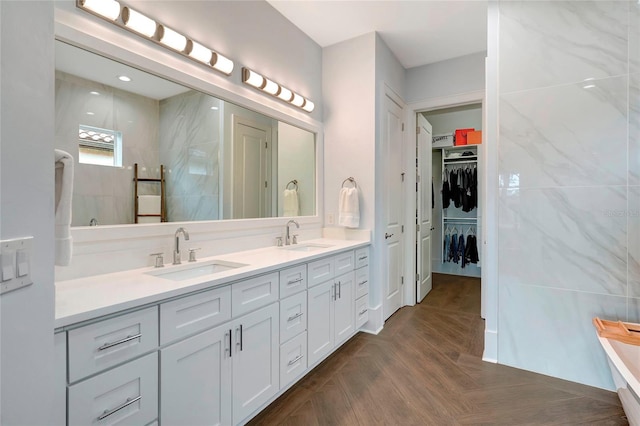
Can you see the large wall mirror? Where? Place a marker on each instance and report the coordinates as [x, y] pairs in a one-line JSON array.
[[218, 160]]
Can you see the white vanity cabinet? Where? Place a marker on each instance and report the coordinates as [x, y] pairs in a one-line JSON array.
[[362, 286], [330, 305]]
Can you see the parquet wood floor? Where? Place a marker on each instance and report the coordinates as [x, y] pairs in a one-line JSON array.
[[425, 368]]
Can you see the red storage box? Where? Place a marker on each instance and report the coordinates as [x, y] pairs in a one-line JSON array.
[[461, 136]]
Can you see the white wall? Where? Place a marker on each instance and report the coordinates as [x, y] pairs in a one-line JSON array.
[[454, 76], [26, 178], [569, 229]]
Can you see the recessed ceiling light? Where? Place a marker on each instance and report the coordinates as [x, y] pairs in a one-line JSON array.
[[124, 78], [589, 86], [90, 113], [95, 93], [215, 108]]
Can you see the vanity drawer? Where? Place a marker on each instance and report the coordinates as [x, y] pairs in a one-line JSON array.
[[254, 293], [320, 271], [126, 395], [293, 359], [293, 280], [362, 311], [362, 282], [98, 346], [362, 257], [293, 316], [344, 262], [189, 315]]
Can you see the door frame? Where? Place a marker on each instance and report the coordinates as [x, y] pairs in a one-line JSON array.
[[489, 195]]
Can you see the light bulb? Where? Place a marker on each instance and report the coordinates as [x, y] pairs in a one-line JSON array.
[[308, 105], [297, 100], [270, 87], [109, 9], [285, 94], [138, 22], [200, 53], [252, 78], [222, 63], [172, 39]]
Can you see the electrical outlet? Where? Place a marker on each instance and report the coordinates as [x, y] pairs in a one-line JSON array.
[[331, 219]]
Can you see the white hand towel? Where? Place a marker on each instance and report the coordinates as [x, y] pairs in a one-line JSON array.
[[64, 191], [349, 208], [291, 205]]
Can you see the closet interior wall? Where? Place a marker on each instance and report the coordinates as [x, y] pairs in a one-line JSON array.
[[446, 121]]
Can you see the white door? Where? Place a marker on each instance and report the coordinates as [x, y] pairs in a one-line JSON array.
[[251, 169], [424, 206], [320, 326], [195, 378], [344, 307], [393, 178], [256, 360]]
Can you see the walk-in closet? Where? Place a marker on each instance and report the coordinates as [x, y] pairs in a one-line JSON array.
[[457, 201]]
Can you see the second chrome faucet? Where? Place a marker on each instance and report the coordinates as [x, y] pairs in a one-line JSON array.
[[177, 260], [287, 239]]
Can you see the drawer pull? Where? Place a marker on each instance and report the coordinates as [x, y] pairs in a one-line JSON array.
[[364, 311], [296, 359], [292, 317], [362, 258], [129, 401], [294, 281], [119, 342], [363, 282]]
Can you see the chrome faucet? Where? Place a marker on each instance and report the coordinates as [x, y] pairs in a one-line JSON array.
[[176, 252], [287, 238]]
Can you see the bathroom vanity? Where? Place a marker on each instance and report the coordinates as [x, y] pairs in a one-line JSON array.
[[207, 342]]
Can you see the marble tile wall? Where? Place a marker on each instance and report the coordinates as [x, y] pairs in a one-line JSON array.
[[103, 192], [569, 182], [190, 134]]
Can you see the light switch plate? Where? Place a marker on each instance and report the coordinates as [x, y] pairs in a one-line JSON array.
[[18, 252]]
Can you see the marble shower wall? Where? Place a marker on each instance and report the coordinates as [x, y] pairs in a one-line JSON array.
[[190, 135], [569, 189], [103, 192]]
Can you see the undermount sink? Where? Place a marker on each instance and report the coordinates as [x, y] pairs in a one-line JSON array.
[[306, 247], [187, 272]]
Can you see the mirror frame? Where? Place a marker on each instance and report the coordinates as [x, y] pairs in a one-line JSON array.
[[75, 29]]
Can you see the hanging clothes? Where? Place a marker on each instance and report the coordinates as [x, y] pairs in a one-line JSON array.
[[461, 250], [453, 247], [471, 251], [446, 192], [455, 190], [446, 242]]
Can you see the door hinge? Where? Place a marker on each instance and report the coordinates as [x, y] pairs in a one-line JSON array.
[[265, 183], [401, 280], [402, 176], [402, 228], [403, 127], [418, 277], [417, 130], [266, 145], [418, 228]]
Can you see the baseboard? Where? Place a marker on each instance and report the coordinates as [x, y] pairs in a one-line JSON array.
[[376, 321], [490, 346]]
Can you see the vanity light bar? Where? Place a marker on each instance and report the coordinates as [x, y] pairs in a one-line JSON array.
[[140, 24], [269, 86]]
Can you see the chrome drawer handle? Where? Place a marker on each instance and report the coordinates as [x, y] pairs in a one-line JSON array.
[[129, 401], [362, 312], [363, 282], [362, 258], [292, 317], [119, 342], [294, 281], [296, 359]]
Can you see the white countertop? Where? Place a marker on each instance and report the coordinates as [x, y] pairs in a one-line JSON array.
[[87, 298]]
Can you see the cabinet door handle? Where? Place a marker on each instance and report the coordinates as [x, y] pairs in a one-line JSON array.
[[230, 345], [335, 292], [362, 258], [292, 317], [339, 290], [294, 281], [362, 312], [119, 342], [363, 282], [241, 337], [125, 404], [296, 359]]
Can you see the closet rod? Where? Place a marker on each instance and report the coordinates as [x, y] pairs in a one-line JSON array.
[[459, 162]]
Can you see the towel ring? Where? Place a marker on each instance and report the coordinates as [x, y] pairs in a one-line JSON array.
[[350, 179], [294, 183]]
